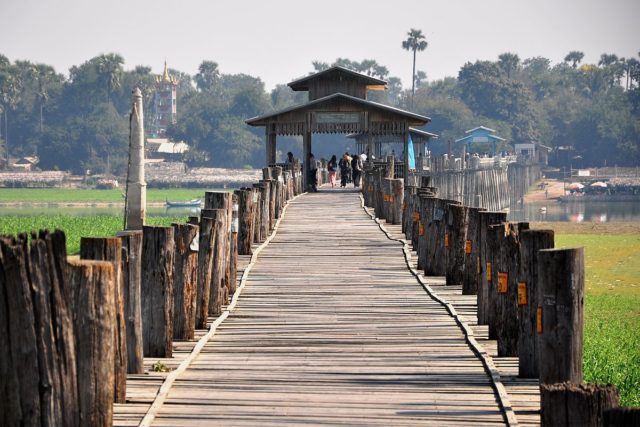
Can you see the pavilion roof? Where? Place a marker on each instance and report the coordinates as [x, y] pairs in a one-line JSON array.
[[302, 84], [317, 104]]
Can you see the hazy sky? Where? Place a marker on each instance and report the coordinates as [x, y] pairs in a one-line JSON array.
[[276, 40]]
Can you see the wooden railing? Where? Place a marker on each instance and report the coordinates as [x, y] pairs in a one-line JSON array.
[[529, 294], [70, 330]]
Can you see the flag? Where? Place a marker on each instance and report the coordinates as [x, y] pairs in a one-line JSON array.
[[412, 156]]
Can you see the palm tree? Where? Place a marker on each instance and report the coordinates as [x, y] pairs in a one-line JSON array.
[[110, 67], [574, 57], [509, 63], [46, 76], [415, 42]]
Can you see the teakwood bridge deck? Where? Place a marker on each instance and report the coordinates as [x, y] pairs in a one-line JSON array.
[[334, 326]]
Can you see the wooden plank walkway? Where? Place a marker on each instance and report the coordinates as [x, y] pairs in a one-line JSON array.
[[332, 328]]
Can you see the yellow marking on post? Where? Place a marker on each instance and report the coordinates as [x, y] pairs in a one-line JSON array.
[[420, 229], [503, 280], [446, 240], [416, 216], [478, 264], [489, 272], [467, 247], [522, 293]]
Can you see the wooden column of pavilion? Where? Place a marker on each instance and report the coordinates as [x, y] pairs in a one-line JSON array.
[[337, 104]]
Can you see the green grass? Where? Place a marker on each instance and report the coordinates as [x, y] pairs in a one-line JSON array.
[[72, 195], [612, 311], [75, 227]]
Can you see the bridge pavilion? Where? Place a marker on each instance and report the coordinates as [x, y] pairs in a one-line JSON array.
[[337, 104]]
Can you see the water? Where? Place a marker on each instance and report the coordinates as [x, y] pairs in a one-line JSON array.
[[578, 211]]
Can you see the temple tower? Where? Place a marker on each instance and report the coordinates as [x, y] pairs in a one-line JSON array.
[[164, 103]]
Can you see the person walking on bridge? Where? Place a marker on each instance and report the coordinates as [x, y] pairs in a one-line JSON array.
[[356, 170], [332, 168], [345, 169]]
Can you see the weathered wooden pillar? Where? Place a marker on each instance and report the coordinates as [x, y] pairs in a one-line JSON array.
[[276, 175], [206, 244], [397, 202], [265, 188], [110, 249], [94, 311], [495, 239], [471, 273], [306, 152], [531, 241], [216, 291], [622, 417], [55, 337], [19, 380], [271, 145], [560, 314], [136, 190], [423, 214], [158, 250], [185, 281], [233, 246], [508, 267], [456, 228], [131, 282], [223, 200], [245, 219], [256, 208], [486, 256], [567, 404]]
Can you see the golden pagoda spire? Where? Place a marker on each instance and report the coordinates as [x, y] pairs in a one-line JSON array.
[[165, 74]]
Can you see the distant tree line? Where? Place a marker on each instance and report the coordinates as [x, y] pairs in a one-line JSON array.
[[80, 122]]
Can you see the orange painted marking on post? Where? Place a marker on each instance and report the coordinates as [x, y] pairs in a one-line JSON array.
[[467, 247], [420, 229], [416, 216], [489, 272], [446, 240], [478, 264], [522, 293], [539, 320], [503, 280]]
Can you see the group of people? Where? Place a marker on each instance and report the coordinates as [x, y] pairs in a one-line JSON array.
[[351, 168]]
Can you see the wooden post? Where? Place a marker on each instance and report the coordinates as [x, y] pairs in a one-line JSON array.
[[94, 311], [185, 281], [110, 249], [55, 337], [216, 291], [567, 404], [206, 243], [456, 228], [158, 249], [486, 256], [389, 172], [423, 240], [233, 246], [256, 210], [560, 314], [245, 220], [471, 271], [131, 283], [397, 192], [266, 201], [622, 417], [507, 269], [223, 200], [20, 380], [531, 241], [276, 175]]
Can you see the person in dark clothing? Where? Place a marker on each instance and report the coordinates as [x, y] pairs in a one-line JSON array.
[[345, 170], [313, 174], [356, 170], [332, 167]]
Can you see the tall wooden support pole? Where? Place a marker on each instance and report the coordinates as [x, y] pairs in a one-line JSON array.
[[397, 192], [136, 197], [19, 382], [216, 289], [233, 245], [560, 314], [471, 276], [584, 405], [185, 281], [456, 229], [223, 200], [110, 249], [245, 225], [94, 311], [271, 146], [486, 219], [370, 149], [206, 243], [405, 157], [306, 152], [531, 241], [158, 248], [131, 282]]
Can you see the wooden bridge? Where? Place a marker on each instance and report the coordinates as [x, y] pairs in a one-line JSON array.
[[332, 326]]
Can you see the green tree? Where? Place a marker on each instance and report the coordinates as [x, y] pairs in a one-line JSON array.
[[509, 63], [575, 57], [208, 76], [416, 41], [110, 69]]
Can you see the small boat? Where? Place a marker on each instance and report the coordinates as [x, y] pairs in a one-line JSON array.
[[193, 203]]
